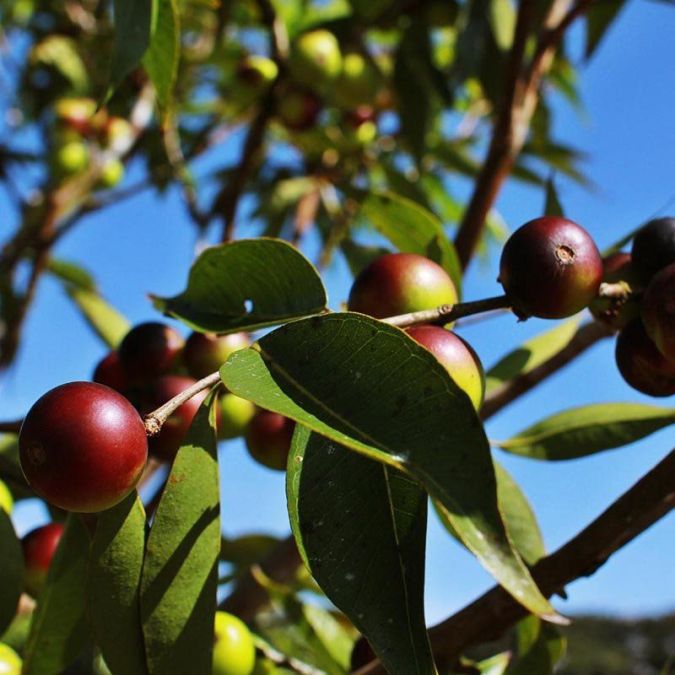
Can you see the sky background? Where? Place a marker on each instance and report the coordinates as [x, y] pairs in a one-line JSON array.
[[147, 245]]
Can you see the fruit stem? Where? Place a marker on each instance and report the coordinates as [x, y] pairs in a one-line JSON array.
[[155, 420], [618, 291]]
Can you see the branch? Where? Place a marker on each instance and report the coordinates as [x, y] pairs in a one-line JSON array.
[[448, 313], [10, 427]]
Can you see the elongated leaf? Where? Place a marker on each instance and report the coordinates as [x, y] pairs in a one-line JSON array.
[[161, 58], [248, 549], [599, 18], [247, 284], [113, 586], [503, 22], [552, 205], [371, 388], [104, 319], [180, 572], [540, 647], [59, 629], [582, 431], [11, 571], [413, 229], [530, 354], [72, 273], [361, 530]]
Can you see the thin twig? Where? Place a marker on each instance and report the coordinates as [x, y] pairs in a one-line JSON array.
[[11, 427]]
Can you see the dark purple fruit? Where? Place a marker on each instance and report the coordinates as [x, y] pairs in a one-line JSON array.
[[149, 350], [654, 247], [109, 371], [658, 311], [205, 353], [268, 439], [641, 364], [550, 268]]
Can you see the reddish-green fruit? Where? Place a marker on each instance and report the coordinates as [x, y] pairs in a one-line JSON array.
[[298, 110], [362, 654], [456, 356], [83, 447], [550, 268], [641, 364], [39, 547], [360, 115], [149, 350], [109, 371], [257, 71], [205, 353], [398, 283], [235, 415], [6, 499], [268, 439], [615, 312], [10, 661], [78, 113], [233, 650], [654, 247], [658, 311], [316, 60]]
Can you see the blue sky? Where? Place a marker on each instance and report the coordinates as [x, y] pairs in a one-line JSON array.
[[147, 244]]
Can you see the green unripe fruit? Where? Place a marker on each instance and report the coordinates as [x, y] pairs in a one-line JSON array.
[[71, 158], [234, 650], [204, 353], [366, 133], [456, 356], [358, 82], [257, 71], [6, 499], [316, 60], [658, 311], [398, 283], [112, 173], [235, 415], [10, 661]]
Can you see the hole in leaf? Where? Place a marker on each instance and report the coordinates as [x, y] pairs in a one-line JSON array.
[[248, 305]]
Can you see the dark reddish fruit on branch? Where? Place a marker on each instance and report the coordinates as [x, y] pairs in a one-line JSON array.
[[456, 356], [654, 247], [398, 283], [268, 439], [149, 350], [39, 546], [641, 364], [360, 115], [257, 71], [658, 311], [205, 353], [109, 372], [83, 447], [617, 312], [298, 110], [550, 268], [362, 654]]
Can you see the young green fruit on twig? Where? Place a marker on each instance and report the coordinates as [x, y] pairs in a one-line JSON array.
[[233, 649], [10, 661]]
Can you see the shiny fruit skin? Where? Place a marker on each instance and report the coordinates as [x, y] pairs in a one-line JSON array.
[[235, 415], [398, 283], [456, 356], [10, 661], [617, 268], [39, 546], [298, 110], [641, 364], [83, 447], [550, 268], [6, 499], [316, 60], [268, 439], [204, 353], [234, 650], [149, 350], [654, 247], [658, 311], [109, 371]]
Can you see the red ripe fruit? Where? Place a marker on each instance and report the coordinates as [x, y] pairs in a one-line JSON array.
[[456, 356], [299, 110], [83, 447], [39, 546], [204, 353], [268, 439], [641, 364], [550, 268], [658, 311], [654, 247], [398, 283], [109, 372], [149, 350]]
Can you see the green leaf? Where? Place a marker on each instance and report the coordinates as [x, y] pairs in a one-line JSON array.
[[133, 27], [519, 518], [359, 256], [552, 205], [582, 431], [59, 629], [412, 229], [495, 665], [361, 530], [248, 549], [370, 387], [61, 53], [11, 571], [247, 284], [599, 18], [180, 573], [503, 22], [540, 647], [161, 58], [72, 274], [530, 355], [320, 13], [115, 565], [105, 320]]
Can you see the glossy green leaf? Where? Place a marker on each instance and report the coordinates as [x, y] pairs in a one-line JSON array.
[[11, 571], [113, 586], [59, 629], [413, 229], [103, 319], [180, 573], [552, 205], [540, 647], [582, 431], [599, 18], [161, 58], [360, 527], [370, 387], [247, 284], [530, 355]]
